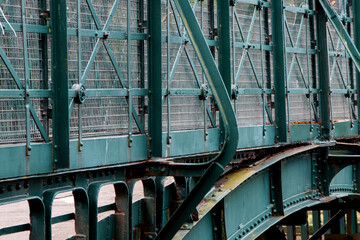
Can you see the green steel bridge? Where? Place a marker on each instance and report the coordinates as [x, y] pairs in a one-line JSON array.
[[239, 117]]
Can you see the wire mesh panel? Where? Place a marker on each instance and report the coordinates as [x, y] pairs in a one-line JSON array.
[[23, 65], [341, 68], [110, 53], [183, 77], [107, 55], [299, 68], [250, 36]]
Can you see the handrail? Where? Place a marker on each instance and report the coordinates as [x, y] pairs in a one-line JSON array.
[[222, 99]]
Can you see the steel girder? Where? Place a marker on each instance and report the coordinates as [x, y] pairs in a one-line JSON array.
[[246, 202], [268, 177]]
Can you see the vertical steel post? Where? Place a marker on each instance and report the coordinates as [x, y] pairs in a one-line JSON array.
[[356, 26], [351, 64], [313, 56], [128, 31], [223, 14], [45, 70], [61, 127], [265, 12], [27, 79], [223, 8], [142, 60], [279, 69], [80, 143], [155, 78], [323, 72], [316, 221]]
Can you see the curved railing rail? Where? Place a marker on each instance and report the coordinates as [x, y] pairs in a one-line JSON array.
[[221, 96]]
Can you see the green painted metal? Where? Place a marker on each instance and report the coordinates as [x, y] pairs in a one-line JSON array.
[[223, 13], [278, 69], [155, 121], [356, 27], [328, 224], [27, 79], [227, 114], [121, 215], [60, 85], [245, 192], [323, 72], [81, 211], [114, 43], [342, 33], [182, 146]]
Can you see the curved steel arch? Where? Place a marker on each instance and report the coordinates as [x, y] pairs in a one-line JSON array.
[[246, 202]]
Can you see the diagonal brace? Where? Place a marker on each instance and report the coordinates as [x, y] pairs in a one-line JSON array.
[[341, 32], [327, 225], [111, 56]]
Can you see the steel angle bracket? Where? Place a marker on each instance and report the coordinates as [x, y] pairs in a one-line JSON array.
[[216, 83]]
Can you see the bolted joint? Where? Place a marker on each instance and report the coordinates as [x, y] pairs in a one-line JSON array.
[[348, 92], [102, 34], [260, 5], [105, 35], [45, 15], [204, 92], [80, 93], [235, 92]]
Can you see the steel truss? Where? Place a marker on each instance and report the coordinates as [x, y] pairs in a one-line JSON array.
[[131, 91]]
